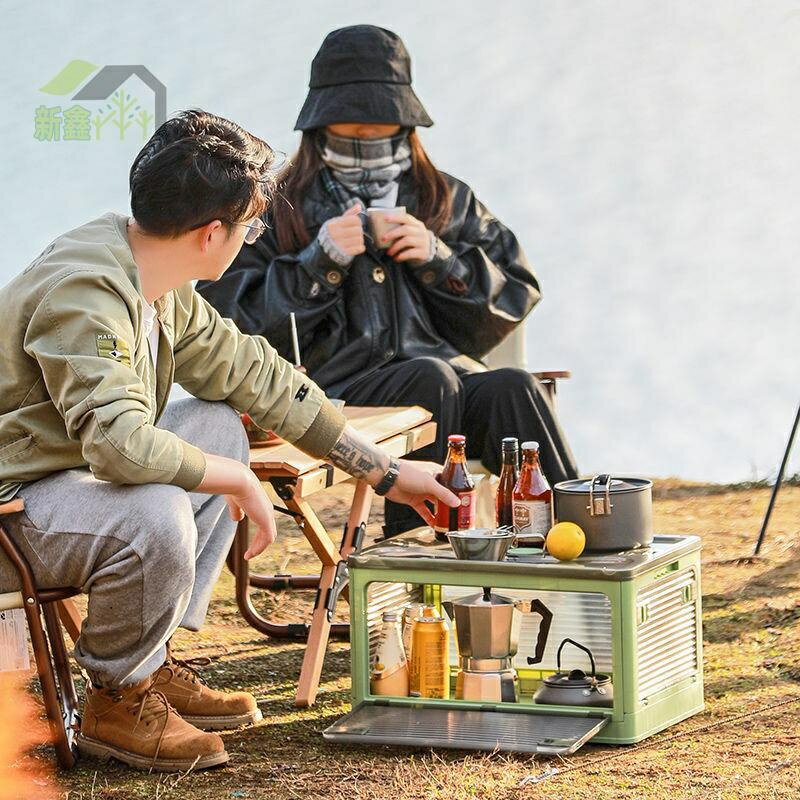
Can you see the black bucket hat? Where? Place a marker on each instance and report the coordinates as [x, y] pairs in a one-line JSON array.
[[361, 73]]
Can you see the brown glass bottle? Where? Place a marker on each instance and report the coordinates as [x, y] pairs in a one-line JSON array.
[[532, 498], [504, 509], [457, 479]]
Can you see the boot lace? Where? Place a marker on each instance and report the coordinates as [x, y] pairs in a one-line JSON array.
[[152, 705], [187, 669]]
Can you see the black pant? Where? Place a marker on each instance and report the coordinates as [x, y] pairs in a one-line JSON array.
[[484, 406]]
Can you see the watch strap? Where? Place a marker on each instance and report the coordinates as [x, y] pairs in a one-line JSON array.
[[388, 480]]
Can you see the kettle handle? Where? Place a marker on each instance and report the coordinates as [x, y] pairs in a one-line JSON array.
[[581, 647], [538, 607]]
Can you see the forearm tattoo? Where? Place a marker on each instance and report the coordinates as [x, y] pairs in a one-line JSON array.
[[359, 458]]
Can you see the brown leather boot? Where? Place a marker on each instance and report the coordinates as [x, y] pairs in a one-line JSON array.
[[204, 707], [137, 726]]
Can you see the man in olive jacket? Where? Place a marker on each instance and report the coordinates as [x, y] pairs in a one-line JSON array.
[[125, 497]]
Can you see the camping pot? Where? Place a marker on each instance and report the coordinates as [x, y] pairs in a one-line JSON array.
[[614, 513], [575, 688]]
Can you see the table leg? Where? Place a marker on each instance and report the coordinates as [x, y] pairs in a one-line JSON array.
[[325, 603]]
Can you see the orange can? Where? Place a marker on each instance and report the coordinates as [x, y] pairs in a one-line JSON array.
[[430, 650]]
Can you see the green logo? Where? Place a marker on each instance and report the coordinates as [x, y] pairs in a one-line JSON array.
[[112, 110], [111, 346]]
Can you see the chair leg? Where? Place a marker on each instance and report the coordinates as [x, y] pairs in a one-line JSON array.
[[70, 714], [47, 678], [70, 618]]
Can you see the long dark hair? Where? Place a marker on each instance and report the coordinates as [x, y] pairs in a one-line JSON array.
[[434, 198]]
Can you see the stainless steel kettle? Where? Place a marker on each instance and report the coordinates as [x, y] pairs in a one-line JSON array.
[[488, 625], [575, 688]]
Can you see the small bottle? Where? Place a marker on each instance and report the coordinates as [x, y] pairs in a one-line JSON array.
[[504, 509], [390, 668], [532, 497], [410, 614], [457, 479]]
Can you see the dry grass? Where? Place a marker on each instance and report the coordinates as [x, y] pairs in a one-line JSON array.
[[752, 641]]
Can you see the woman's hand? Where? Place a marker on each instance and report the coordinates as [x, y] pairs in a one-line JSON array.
[[411, 240], [346, 231]]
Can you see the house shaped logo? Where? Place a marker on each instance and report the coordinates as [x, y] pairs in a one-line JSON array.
[[110, 103]]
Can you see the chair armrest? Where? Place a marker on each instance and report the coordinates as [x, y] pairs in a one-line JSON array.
[[550, 380], [552, 375]]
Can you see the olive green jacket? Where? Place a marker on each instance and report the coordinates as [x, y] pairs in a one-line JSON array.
[[77, 383]]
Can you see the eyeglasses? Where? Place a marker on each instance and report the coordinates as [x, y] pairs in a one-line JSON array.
[[254, 229]]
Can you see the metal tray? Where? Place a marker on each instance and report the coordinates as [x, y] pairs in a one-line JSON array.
[[465, 729]]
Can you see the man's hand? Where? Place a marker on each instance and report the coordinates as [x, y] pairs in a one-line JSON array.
[[411, 240], [254, 503], [417, 484], [244, 495], [346, 231]]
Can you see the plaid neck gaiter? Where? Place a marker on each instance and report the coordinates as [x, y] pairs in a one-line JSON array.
[[363, 168]]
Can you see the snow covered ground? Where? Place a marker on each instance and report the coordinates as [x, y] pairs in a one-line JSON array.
[[645, 153]]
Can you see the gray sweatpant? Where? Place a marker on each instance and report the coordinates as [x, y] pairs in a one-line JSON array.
[[148, 556]]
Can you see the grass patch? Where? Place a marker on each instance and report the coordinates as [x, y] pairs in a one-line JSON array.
[[752, 659]]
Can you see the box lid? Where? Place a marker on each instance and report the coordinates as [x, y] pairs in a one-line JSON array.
[[421, 548]]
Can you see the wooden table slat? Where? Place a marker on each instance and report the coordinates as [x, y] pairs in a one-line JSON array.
[[375, 424]]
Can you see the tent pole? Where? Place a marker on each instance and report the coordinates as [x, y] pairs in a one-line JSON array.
[[777, 485]]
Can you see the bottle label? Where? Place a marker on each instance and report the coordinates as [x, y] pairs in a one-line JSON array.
[[531, 517], [461, 518]]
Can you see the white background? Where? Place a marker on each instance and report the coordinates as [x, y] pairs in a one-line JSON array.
[[647, 155]]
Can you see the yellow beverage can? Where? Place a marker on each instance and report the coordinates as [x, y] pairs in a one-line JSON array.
[[430, 668]]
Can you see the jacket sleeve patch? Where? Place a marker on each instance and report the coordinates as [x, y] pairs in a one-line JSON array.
[[301, 393], [111, 346]]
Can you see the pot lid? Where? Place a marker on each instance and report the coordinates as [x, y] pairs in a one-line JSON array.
[[617, 485], [576, 679]]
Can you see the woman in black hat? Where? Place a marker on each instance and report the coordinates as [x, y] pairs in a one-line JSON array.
[[405, 320]]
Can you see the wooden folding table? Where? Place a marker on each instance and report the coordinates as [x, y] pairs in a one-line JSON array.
[[295, 476]]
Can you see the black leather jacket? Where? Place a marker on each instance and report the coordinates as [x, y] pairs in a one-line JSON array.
[[352, 320]]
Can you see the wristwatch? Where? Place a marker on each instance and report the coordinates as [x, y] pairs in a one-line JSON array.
[[388, 480]]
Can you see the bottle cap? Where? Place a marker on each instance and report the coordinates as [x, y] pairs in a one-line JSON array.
[[530, 445], [510, 443], [457, 438], [390, 616]]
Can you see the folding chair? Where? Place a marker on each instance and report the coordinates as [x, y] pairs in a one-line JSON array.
[[47, 640], [509, 353]]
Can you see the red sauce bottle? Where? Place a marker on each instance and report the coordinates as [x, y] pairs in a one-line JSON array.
[[532, 497], [457, 479]]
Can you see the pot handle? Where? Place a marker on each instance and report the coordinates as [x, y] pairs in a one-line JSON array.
[[581, 647], [538, 607], [600, 506]]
